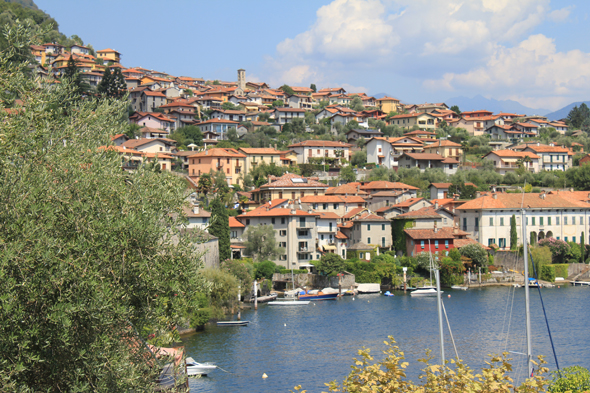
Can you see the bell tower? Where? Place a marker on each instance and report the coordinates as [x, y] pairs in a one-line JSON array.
[[241, 82]]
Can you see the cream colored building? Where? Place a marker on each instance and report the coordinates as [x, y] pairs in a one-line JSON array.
[[421, 119], [256, 156], [445, 148]]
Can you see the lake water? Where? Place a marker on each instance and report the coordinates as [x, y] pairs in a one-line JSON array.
[[319, 341]]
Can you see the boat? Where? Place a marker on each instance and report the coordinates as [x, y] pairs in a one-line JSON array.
[[533, 283], [369, 288], [233, 323], [425, 291], [288, 302], [460, 287], [317, 296], [196, 368], [388, 294]]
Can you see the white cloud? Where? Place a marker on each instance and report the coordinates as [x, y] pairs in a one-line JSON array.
[[452, 46]]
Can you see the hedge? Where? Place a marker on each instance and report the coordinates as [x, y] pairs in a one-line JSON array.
[[295, 271], [561, 270], [547, 273]]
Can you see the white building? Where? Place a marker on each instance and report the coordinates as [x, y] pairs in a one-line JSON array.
[[552, 158], [425, 161], [509, 160], [318, 149], [385, 151]]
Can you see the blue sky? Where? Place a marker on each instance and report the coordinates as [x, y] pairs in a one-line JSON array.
[[532, 51]]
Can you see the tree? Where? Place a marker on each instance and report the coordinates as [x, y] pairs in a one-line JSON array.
[[118, 88], [92, 258], [287, 90], [205, 184], [476, 253], [357, 104], [359, 158], [261, 243], [582, 249], [265, 269], [331, 264], [456, 109], [513, 234], [312, 87], [347, 174], [230, 106], [219, 227], [104, 87], [278, 104], [232, 135], [72, 73]]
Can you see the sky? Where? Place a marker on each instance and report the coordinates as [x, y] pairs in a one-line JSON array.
[[536, 52]]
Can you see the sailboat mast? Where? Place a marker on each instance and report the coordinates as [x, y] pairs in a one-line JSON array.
[[529, 348], [440, 317]]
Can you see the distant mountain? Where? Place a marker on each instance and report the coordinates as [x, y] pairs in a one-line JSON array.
[[490, 104], [380, 95], [563, 112]]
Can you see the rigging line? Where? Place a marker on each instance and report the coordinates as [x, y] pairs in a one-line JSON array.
[[450, 331], [546, 320], [510, 320], [505, 313]]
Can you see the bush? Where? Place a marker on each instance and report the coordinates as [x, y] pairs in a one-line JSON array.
[[573, 379], [561, 270], [451, 272], [559, 249], [547, 273], [264, 269], [295, 271], [224, 291]]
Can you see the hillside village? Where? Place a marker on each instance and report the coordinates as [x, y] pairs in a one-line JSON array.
[[342, 172]]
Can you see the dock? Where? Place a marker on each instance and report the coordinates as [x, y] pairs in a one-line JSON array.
[[580, 283], [263, 299]]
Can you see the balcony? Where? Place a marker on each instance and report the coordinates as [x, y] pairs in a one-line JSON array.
[[303, 225], [219, 166], [304, 250]]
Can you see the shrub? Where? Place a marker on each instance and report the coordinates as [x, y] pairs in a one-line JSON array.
[[573, 379], [295, 271], [451, 272], [559, 249], [547, 273], [264, 269], [561, 270]]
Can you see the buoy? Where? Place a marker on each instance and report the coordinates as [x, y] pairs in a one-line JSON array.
[[368, 301], [264, 376], [449, 295], [285, 324], [558, 287], [352, 298]]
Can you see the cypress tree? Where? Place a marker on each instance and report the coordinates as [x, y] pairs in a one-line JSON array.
[[119, 86], [219, 227], [583, 247], [104, 87], [513, 235]]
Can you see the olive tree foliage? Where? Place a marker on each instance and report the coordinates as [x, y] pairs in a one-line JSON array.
[[261, 243], [89, 254]]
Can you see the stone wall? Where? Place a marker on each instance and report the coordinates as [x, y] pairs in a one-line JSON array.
[[210, 253], [511, 261], [314, 280]]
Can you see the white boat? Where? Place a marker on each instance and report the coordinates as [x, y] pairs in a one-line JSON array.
[[368, 288], [195, 368], [424, 291], [233, 323], [288, 302], [460, 287]]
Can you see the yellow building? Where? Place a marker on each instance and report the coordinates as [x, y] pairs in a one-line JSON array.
[[288, 186], [256, 156], [445, 148], [389, 104], [109, 55]]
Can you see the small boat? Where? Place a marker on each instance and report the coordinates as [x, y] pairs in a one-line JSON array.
[[288, 302], [317, 296], [233, 323], [195, 368], [388, 294], [460, 287], [424, 291]]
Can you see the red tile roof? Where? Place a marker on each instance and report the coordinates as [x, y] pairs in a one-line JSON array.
[[441, 233], [341, 235], [527, 200], [425, 212], [330, 215], [287, 180], [349, 188], [367, 216], [387, 185], [425, 156], [233, 223], [354, 212], [219, 152], [260, 150], [331, 199], [512, 154], [444, 143], [277, 212], [320, 143], [409, 202]]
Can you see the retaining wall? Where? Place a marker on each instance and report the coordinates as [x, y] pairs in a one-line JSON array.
[[314, 280]]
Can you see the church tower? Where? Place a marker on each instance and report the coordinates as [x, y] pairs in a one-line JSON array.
[[241, 82]]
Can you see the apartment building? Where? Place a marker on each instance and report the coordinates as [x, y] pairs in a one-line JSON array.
[[558, 214], [229, 161], [509, 160], [256, 156], [319, 149], [288, 186], [552, 158], [370, 229], [337, 204], [425, 161]]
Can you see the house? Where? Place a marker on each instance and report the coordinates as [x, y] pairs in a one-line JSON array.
[[438, 241], [509, 160], [146, 100], [150, 133], [79, 49], [507, 132], [441, 190], [445, 148], [324, 151], [153, 120], [286, 115], [296, 233], [386, 198], [355, 134], [231, 115], [151, 145], [109, 55], [368, 228], [431, 107], [218, 126], [422, 134], [374, 187], [327, 227], [337, 204], [551, 157], [477, 125], [584, 160], [345, 118], [421, 119], [119, 139], [137, 151], [557, 214], [389, 104], [529, 128], [433, 216], [347, 189], [333, 90], [197, 217], [229, 161], [236, 237], [425, 161], [384, 151], [302, 101], [289, 186], [301, 90], [256, 156]]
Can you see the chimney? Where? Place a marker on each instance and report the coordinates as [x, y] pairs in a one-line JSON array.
[[455, 230], [293, 211], [542, 195], [495, 195], [477, 194], [435, 206], [435, 228], [538, 143], [196, 209]]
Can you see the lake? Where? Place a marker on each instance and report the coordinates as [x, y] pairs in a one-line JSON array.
[[319, 341]]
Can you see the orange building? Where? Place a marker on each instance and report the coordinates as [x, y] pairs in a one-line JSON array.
[[230, 161]]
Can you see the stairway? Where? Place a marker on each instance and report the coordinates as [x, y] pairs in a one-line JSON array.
[[575, 278]]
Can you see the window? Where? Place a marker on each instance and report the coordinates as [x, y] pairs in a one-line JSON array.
[[282, 233], [548, 220], [491, 221], [283, 220], [556, 220], [527, 221], [476, 222], [565, 220], [283, 257], [228, 171], [491, 241], [573, 239], [368, 240], [574, 220], [501, 221], [534, 220], [325, 206], [247, 221], [541, 220], [502, 242], [280, 194], [383, 242], [234, 234], [228, 160], [446, 244], [282, 244], [436, 244], [557, 237], [335, 206], [464, 223], [382, 227], [368, 227], [272, 220], [361, 255], [422, 244], [565, 238], [581, 220], [330, 227]]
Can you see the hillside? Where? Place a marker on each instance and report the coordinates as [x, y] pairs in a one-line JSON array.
[[490, 104], [563, 112]]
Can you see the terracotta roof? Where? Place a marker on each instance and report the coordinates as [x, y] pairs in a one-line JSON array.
[[528, 125], [133, 143], [547, 149], [330, 215], [233, 223], [385, 209], [217, 121], [425, 212], [512, 154], [367, 216], [341, 235], [460, 243], [387, 185], [450, 160], [202, 213], [349, 188], [260, 150], [219, 152], [387, 193], [447, 185], [419, 132], [425, 156], [410, 115], [290, 110], [273, 204], [527, 200], [290, 180], [441, 233], [154, 93], [347, 224], [331, 199], [117, 136], [320, 143], [144, 130], [277, 212], [409, 202], [386, 98], [444, 143]]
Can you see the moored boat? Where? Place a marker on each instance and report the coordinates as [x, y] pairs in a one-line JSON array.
[[196, 368], [317, 296], [424, 291], [233, 323]]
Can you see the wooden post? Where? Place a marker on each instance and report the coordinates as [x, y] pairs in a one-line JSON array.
[[255, 295], [405, 279], [339, 284], [239, 296], [480, 276]]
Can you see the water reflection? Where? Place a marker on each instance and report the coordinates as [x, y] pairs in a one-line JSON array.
[[319, 340]]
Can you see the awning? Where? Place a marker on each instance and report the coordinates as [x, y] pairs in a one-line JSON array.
[[305, 265], [329, 247], [509, 159], [237, 247]]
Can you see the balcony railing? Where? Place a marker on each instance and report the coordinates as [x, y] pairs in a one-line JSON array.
[[303, 225], [303, 250]]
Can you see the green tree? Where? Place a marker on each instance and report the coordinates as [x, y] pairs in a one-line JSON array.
[[287, 90], [456, 109], [72, 73], [357, 104], [230, 106], [347, 174], [513, 234], [219, 227], [91, 256], [118, 88], [359, 158], [312, 87], [265, 269], [104, 87], [261, 243], [454, 254], [477, 254], [232, 135], [331, 264], [243, 271]]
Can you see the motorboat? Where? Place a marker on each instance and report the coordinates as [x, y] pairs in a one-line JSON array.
[[325, 294], [233, 323], [288, 302], [388, 294], [196, 368], [424, 291], [460, 287]]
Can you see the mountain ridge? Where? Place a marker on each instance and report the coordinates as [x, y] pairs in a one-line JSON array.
[[479, 102]]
